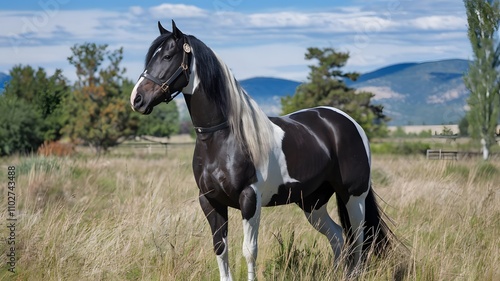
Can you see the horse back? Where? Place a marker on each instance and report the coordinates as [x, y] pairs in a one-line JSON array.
[[325, 144]]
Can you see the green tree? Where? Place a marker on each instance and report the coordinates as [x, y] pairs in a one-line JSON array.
[[44, 94], [162, 122], [20, 126], [98, 111], [482, 80], [326, 86], [463, 127]]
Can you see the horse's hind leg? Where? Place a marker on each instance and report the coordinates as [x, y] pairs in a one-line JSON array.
[[322, 222]]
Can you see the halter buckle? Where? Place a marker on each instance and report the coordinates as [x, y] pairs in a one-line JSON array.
[[164, 87]]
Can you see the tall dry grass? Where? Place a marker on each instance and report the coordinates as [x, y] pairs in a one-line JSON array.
[[132, 215]]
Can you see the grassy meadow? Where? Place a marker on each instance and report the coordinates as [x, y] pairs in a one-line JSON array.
[[134, 215]]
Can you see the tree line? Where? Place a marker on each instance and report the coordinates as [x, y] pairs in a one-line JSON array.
[[94, 110], [37, 107]]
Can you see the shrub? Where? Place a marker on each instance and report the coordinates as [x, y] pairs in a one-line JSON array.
[[55, 148], [400, 148]]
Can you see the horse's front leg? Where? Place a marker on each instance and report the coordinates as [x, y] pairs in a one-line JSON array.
[[250, 205], [216, 215]]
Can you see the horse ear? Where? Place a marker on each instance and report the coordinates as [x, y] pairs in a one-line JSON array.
[[177, 33], [162, 30]]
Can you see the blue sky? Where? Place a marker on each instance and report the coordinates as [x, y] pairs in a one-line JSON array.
[[255, 38]]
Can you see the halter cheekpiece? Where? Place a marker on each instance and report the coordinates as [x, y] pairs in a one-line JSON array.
[[183, 68]]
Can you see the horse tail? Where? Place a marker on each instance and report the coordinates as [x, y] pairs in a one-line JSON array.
[[377, 234]]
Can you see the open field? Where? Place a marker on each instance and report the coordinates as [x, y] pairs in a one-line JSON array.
[[134, 215]]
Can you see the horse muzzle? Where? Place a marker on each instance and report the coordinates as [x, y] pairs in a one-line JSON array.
[[139, 101], [139, 105]]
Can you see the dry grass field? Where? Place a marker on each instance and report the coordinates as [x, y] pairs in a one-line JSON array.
[[134, 215]]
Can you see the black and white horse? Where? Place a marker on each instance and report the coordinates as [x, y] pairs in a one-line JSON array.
[[246, 160]]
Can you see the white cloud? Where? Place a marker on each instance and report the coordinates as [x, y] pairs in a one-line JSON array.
[[30, 54], [80, 24], [280, 19], [270, 43], [136, 10], [274, 60], [439, 22], [177, 11]]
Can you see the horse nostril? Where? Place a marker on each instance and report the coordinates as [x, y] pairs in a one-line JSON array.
[[138, 100]]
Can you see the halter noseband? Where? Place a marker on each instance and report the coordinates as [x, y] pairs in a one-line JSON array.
[[183, 68]]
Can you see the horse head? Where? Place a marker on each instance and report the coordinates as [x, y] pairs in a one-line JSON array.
[[166, 70]]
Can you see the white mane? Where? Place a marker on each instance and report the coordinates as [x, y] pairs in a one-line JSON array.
[[248, 122]]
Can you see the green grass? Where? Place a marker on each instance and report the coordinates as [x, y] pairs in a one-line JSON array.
[[134, 215]]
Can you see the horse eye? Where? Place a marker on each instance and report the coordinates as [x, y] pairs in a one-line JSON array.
[[167, 57]]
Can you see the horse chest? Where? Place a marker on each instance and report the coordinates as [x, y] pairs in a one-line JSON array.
[[223, 176]]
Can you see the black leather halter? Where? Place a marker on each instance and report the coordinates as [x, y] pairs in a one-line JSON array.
[[165, 87], [183, 68]]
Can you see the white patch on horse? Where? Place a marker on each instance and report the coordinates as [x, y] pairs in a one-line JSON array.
[[223, 262], [251, 232], [134, 91], [275, 173], [356, 211]]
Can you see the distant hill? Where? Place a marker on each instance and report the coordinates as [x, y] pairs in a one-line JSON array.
[[388, 70], [3, 78], [267, 92], [428, 93]]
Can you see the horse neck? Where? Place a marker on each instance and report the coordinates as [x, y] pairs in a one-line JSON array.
[[203, 112], [249, 124]]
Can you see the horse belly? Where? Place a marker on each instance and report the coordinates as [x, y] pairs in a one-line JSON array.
[[280, 185], [281, 189], [298, 165]]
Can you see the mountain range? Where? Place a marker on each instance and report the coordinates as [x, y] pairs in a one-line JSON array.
[[427, 93]]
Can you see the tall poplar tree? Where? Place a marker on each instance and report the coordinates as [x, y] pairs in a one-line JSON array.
[[482, 80]]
